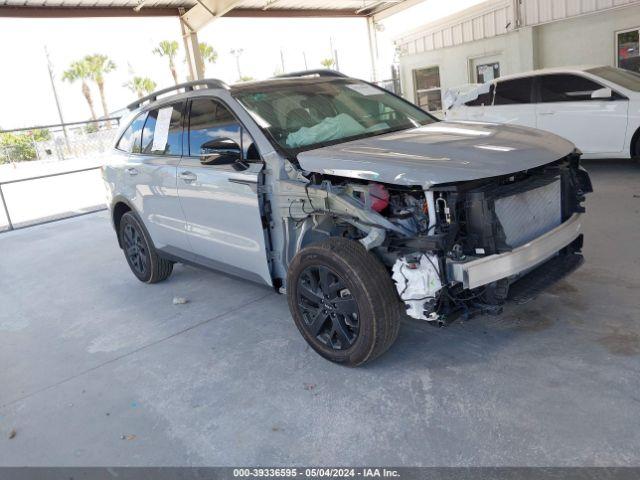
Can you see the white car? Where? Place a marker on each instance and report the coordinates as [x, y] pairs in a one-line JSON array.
[[597, 108]]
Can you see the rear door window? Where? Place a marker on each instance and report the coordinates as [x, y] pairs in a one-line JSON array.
[[130, 140], [162, 133], [566, 88], [512, 92]]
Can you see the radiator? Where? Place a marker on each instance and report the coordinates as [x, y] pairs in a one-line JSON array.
[[527, 215]]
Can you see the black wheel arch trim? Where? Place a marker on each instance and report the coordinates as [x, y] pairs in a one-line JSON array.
[[634, 147], [123, 200]]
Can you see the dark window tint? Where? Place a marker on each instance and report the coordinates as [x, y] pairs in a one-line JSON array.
[[515, 91], [566, 88], [210, 120], [130, 140], [484, 99], [162, 133]]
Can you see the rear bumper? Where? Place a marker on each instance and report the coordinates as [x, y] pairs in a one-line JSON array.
[[477, 272]]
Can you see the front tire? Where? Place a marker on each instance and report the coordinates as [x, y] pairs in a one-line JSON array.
[[141, 255], [343, 301]]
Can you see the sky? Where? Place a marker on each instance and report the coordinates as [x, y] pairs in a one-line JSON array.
[[26, 97]]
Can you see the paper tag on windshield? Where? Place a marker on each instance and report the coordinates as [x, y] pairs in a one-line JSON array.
[[161, 132], [364, 89]]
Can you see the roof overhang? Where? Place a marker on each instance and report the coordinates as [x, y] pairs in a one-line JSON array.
[[197, 13]]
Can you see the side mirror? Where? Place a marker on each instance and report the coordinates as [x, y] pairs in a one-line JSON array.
[[220, 151], [602, 93]]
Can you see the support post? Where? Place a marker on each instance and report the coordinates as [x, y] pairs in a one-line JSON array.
[[373, 47], [6, 209], [194, 57]]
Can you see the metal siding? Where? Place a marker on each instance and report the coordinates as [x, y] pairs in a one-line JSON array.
[[457, 35], [536, 12], [484, 21]]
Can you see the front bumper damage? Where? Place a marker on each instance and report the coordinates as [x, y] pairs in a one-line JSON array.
[[477, 272]]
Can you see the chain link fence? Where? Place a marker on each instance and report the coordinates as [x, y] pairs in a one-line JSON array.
[[51, 172], [57, 142]]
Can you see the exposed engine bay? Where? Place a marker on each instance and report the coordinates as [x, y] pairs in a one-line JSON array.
[[429, 238]]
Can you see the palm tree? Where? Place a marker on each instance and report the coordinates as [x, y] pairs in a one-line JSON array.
[[141, 86], [99, 65], [169, 48], [208, 53], [79, 70], [327, 62]]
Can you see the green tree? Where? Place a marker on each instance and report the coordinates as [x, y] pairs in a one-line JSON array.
[[80, 70], [99, 65], [141, 86], [19, 147], [208, 54], [169, 49], [327, 62], [246, 78]]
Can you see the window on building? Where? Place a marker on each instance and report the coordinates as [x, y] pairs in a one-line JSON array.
[[162, 133], [131, 138], [628, 49], [210, 120], [516, 91], [487, 72], [426, 83], [566, 88]]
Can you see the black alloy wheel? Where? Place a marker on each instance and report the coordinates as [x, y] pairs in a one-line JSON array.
[[329, 311], [135, 249], [343, 301], [143, 258]]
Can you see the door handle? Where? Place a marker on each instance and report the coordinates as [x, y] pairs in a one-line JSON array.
[[188, 177], [546, 113], [132, 171]]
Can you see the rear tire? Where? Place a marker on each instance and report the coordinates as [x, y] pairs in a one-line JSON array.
[[351, 317], [141, 255]]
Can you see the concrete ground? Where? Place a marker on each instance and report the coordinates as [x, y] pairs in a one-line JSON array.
[[97, 368]]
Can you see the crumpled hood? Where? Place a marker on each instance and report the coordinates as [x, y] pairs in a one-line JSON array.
[[440, 152]]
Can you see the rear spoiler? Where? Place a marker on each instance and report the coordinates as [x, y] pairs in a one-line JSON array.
[[454, 97]]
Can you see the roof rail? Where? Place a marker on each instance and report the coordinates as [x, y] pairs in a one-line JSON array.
[[321, 72], [188, 87]]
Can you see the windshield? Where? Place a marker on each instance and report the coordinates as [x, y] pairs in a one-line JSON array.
[[303, 116], [625, 78]]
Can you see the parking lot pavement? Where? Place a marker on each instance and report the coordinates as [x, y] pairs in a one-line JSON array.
[[100, 369]]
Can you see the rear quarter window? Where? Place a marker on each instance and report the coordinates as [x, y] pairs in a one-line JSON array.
[[131, 139]]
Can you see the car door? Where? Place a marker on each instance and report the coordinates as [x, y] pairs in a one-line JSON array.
[[565, 107], [220, 196], [512, 103], [151, 170]]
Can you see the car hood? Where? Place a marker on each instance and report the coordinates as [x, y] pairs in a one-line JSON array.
[[437, 153]]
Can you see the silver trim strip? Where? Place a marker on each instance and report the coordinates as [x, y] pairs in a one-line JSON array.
[[475, 273]]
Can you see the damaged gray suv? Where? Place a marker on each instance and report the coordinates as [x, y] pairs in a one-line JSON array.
[[356, 204]]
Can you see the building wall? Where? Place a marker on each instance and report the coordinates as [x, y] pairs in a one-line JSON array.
[[514, 51], [585, 40]]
